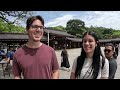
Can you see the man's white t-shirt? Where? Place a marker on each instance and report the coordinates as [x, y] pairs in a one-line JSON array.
[[85, 72]]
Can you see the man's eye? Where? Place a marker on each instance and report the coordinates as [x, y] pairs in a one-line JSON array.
[[36, 27]]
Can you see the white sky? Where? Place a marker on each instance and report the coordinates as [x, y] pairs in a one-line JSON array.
[[108, 19]]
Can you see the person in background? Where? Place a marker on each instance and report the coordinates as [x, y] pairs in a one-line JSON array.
[[35, 60], [65, 60], [89, 65], [9, 56], [116, 50], [2, 54], [109, 54]]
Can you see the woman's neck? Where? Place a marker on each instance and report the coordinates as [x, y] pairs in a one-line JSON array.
[[89, 55], [31, 44]]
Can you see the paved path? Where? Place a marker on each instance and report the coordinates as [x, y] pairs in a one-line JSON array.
[[73, 53]]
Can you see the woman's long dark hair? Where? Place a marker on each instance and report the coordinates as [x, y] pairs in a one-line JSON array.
[[96, 58]]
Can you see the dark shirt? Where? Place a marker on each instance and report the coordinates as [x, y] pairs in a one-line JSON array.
[[2, 55], [10, 55], [64, 54], [112, 68]]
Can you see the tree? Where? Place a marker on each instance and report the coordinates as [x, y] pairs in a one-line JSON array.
[[116, 34], [5, 27], [108, 31], [15, 16], [75, 27], [61, 28], [10, 20], [98, 30]]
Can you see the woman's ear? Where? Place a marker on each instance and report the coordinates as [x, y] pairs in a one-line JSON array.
[[96, 44]]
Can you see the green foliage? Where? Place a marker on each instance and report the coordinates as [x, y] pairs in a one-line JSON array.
[[107, 36], [61, 28], [13, 25], [102, 32], [15, 15], [75, 27], [5, 27], [108, 31], [116, 34], [97, 30]]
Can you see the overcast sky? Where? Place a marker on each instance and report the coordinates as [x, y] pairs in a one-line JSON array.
[[108, 19]]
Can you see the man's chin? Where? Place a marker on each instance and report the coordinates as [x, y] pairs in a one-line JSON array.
[[36, 40]]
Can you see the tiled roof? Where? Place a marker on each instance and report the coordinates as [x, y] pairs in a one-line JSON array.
[[74, 39], [16, 36], [59, 33], [110, 40]]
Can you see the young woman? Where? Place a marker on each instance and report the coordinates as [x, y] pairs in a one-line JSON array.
[[90, 64]]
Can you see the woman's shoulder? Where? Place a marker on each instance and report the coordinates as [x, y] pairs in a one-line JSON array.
[[103, 61], [106, 60], [103, 58], [75, 59]]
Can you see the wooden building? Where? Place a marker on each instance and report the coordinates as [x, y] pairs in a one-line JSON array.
[[15, 39], [54, 38], [57, 39]]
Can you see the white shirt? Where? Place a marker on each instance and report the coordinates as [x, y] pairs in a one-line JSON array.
[[87, 63]]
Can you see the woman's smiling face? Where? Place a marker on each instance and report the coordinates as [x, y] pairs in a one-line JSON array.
[[89, 44]]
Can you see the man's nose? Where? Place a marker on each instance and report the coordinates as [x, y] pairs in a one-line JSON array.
[[87, 42]]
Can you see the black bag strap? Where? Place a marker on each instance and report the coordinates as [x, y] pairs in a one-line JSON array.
[[89, 71], [103, 62]]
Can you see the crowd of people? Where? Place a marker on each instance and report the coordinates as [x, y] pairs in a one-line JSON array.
[[35, 60]]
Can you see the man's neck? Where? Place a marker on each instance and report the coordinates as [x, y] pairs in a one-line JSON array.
[[109, 58], [33, 44]]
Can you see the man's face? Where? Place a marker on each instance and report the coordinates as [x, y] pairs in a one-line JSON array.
[[35, 31], [108, 52]]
